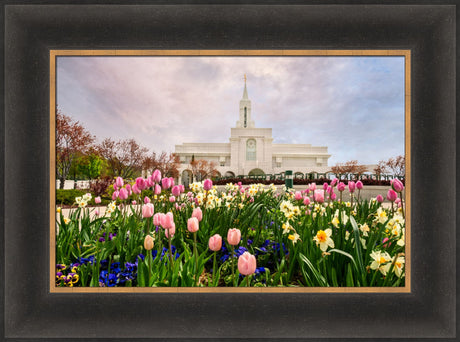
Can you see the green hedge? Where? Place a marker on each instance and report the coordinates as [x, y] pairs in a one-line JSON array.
[[67, 196]]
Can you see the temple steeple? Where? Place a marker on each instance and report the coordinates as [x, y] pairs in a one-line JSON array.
[[245, 110]]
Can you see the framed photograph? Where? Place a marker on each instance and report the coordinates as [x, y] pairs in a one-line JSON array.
[[92, 74], [295, 237]]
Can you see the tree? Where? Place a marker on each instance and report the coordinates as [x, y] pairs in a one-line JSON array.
[[124, 157], [90, 165], [202, 169], [72, 139], [396, 166], [349, 167], [167, 164]]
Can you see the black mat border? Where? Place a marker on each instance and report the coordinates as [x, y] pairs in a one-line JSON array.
[[31, 312]]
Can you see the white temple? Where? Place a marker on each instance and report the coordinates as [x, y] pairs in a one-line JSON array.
[[251, 151]]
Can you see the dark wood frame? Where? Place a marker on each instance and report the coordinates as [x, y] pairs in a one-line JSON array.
[[31, 311]]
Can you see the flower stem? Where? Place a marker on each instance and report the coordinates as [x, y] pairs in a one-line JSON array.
[[196, 259], [233, 265], [402, 205], [170, 252], [214, 269]]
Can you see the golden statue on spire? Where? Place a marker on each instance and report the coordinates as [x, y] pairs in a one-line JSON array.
[[245, 78]]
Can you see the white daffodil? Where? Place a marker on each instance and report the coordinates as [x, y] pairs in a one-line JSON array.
[[286, 227], [364, 228], [399, 266], [294, 237], [335, 222], [381, 215], [323, 239], [381, 262]]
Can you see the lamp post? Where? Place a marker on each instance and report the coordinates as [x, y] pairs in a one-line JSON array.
[[288, 180]]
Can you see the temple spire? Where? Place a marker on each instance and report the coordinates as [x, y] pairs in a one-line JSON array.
[[245, 91]]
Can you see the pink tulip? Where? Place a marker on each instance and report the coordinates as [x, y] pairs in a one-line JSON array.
[[192, 225], [392, 195], [341, 186], [334, 182], [128, 188], [207, 184], [247, 264], [298, 196], [182, 188], [215, 243], [114, 195], [175, 190], [135, 189], [147, 210], [171, 179], [397, 185], [115, 187], [97, 200], [123, 194], [96, 212], [329, 190], [351, 186], [177, 206], [119, 182], [386, 244], [149, 182], [172, 199], [319, 196], [234, 236], [133, 202], [325, 185], [157, 190], [306, 201], [167, 221], [171, 231], [312, 186], [146, 200], [198, 214], [359, 185], [379, 198], [140, 183], [333, 196], [165, 183], [157, 219], [156, 176]]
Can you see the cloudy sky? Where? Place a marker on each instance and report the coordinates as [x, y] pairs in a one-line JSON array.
[[353, 105]]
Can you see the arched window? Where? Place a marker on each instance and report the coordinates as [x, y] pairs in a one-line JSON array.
[[251, 149], [245, 117]]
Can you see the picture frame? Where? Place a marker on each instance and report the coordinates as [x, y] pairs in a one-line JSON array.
[[31, 31]]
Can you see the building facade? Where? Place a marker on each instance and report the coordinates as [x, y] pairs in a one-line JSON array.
[[251, 151]]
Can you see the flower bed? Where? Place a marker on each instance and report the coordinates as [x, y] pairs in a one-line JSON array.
[[242, 236]]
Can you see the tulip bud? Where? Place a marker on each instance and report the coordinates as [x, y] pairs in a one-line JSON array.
[[306, 201], [207, 184], [157, 219], [397, 185], [325, 185], [148, 243], [334, 182], [175, 190], [140, 183], [146, 200], [197, 213], [192, 225], [167, 221], [156, 176], [215, 243], [234, 236], [166, 183], [333, 196], [392, 195], [298, 196], [379, 198], [359, 185], [157, 189], [135, 189], [247, 264], [128, 188], [171, 231], [119, 182], [147, 210], [97, 199], [114, 195], [172, 199], [318, 196], [341, 186], [312, 186], [351, 186]]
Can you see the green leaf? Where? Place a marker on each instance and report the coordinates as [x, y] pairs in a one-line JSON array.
[[318, 277], [359, 253]]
